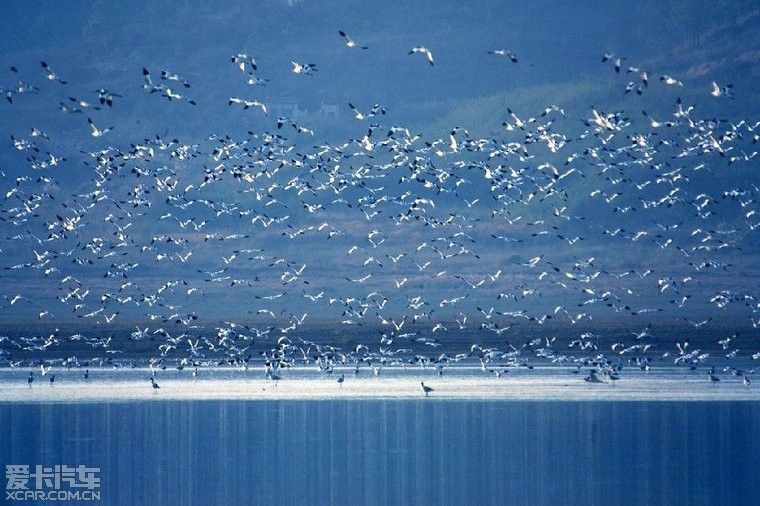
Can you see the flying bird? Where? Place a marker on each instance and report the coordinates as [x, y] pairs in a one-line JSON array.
[[721, 91], [503, 52], [148, 82], [615, 59], [248, 104], [95, 132], [170, 76], [303, 68], [50, 74], [241, 60], [642, 73], [670, 80], [421, 49], [349, 41], [106, 97]]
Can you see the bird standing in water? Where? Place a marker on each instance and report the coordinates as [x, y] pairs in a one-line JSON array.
[[426, 389]]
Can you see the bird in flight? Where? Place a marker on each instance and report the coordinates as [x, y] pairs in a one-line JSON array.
[[721, 91], [615, 59], [106, 97], [51, 75], [248, 103], [670, 80], [171, 76], [303, 68], [242, 59], [503, 52], [423, 50], [95, 131], [350, 42]]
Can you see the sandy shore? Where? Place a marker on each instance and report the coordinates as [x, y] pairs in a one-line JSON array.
[[469, 387]]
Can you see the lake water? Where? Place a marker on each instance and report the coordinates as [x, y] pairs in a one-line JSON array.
[[410, 451]]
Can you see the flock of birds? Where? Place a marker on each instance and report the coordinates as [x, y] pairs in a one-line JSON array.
[[503, 251]]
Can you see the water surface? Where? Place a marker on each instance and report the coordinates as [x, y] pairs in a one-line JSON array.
[[424, 451]]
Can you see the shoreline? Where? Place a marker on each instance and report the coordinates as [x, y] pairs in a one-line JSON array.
[[538, 387]]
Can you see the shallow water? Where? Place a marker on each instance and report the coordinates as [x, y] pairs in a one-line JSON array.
[[424, 451], [457, 383]]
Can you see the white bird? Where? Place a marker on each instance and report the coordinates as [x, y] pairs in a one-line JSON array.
[[242, 59], [148, 82], [670, 80], [615, 59], [84, 104], [421, 49], [642, 72], [303, 68], [254, 80], [503, 52], [699, 324], [721, 91], [51, 76], [349, 41], [173, 95], [357, 113], [248, 103], [97, 132], [106, 97], [170, 76]]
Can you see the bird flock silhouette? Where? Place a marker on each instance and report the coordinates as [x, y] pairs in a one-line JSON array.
[[569, 237]]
